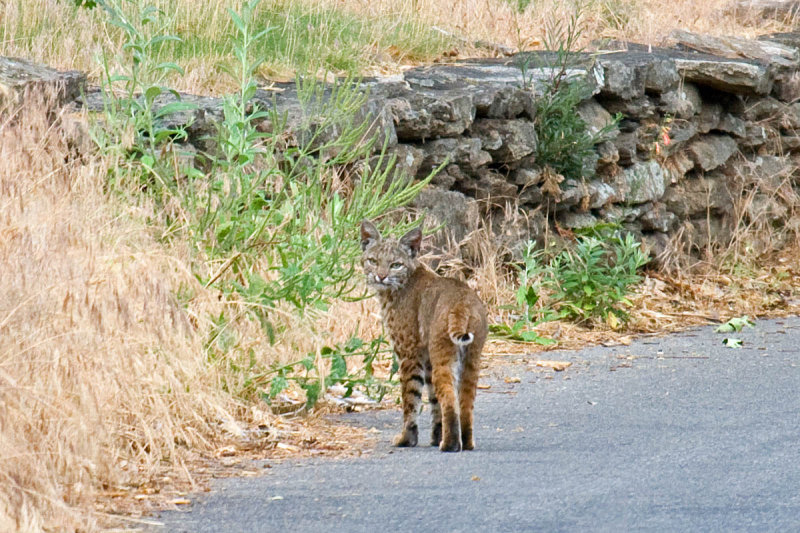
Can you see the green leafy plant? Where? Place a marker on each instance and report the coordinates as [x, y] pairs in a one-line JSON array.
[[313, 379], [272, 214], [527, 316], [588, 281], [565, 142], [136, 100]]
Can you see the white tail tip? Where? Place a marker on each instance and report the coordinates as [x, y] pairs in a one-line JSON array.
[[463, 340]]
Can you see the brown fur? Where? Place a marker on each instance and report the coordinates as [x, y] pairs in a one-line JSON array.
[[438, 328]]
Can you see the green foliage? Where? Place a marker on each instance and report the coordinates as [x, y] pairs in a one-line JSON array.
[[525, 308], [273, 214], [312, 378], [590, 280], [136, 100], [565, 142]]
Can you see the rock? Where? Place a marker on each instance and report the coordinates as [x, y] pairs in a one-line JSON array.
[[737, 47], [644, 182], [531, 196], [600, 194], [526, 177], [699, 196], [430, 115], [789, 143], [596, 117], [408, 160], [570, 220], [640, 107], [623, 79], [626, 143], [457, 214], [766, 207], [733, 76], [655, 245], [711, 151], [756, 135], [661, 76], [683, 102], [506, 140], [447, 178], [20, 78], [463, 151], [767, 9], [704, 232], [607, 153], [618, 214], [732, 125], [504, 102], [490, 187], [787, 86], [677, 165], [655, 217], [709, 117]]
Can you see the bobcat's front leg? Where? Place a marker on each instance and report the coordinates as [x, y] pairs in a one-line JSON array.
[[411, 379]]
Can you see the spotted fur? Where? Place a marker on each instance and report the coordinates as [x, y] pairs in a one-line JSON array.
[[438, 328]]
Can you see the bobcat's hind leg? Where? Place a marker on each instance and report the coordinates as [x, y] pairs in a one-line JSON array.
[[444, 365], [411, 386], [467, 389], [436, 410]]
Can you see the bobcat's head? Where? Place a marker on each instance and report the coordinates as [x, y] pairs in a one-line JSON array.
[[388, 263]]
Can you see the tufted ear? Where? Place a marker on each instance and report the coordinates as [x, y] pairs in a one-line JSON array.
[[412, 241], [369, 234]]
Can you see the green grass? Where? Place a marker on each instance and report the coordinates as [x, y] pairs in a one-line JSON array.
[[307, 36]]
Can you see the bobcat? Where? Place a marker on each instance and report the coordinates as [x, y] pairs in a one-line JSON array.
[[438, 328]]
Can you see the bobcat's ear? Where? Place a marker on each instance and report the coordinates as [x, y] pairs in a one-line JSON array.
[[369, 234], [412, 241]]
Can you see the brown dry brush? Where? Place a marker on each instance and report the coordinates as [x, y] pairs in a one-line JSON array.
[[103, 379]]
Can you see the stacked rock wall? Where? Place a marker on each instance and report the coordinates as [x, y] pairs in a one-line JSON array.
[[697, 130]]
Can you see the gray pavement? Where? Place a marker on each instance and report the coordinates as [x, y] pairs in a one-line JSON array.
[[678, 433]]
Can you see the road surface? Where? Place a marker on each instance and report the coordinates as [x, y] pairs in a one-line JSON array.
[[679, 433]]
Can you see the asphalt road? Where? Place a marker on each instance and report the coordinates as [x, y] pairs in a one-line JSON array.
[[678, 433]]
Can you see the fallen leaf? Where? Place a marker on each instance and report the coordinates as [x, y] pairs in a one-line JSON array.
[[732, 343], [288, 447], [558, 366], [475, 478], [180, 501], [512, 379], [276, 498], [484, 386]]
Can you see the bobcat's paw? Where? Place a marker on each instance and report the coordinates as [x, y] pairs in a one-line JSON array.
[[453, 446], [407, 439]]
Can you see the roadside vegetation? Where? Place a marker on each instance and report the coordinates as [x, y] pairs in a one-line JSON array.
[[160, 307]]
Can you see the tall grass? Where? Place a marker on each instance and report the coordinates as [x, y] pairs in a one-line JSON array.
[[102, 373], [308, 35], [350, 35]]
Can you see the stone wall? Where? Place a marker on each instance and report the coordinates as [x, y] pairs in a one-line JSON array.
[[703, 124]]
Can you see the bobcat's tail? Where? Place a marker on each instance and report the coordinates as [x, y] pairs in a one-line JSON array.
[[458, 326]]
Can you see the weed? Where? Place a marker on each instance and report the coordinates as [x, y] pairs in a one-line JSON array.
[[313, 379], [588, 281]]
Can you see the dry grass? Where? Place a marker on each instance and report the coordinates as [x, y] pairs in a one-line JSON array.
[[104, 378], [389, 36]]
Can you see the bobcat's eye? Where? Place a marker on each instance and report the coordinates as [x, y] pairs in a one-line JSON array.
[[369, 262], [396, 266]]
